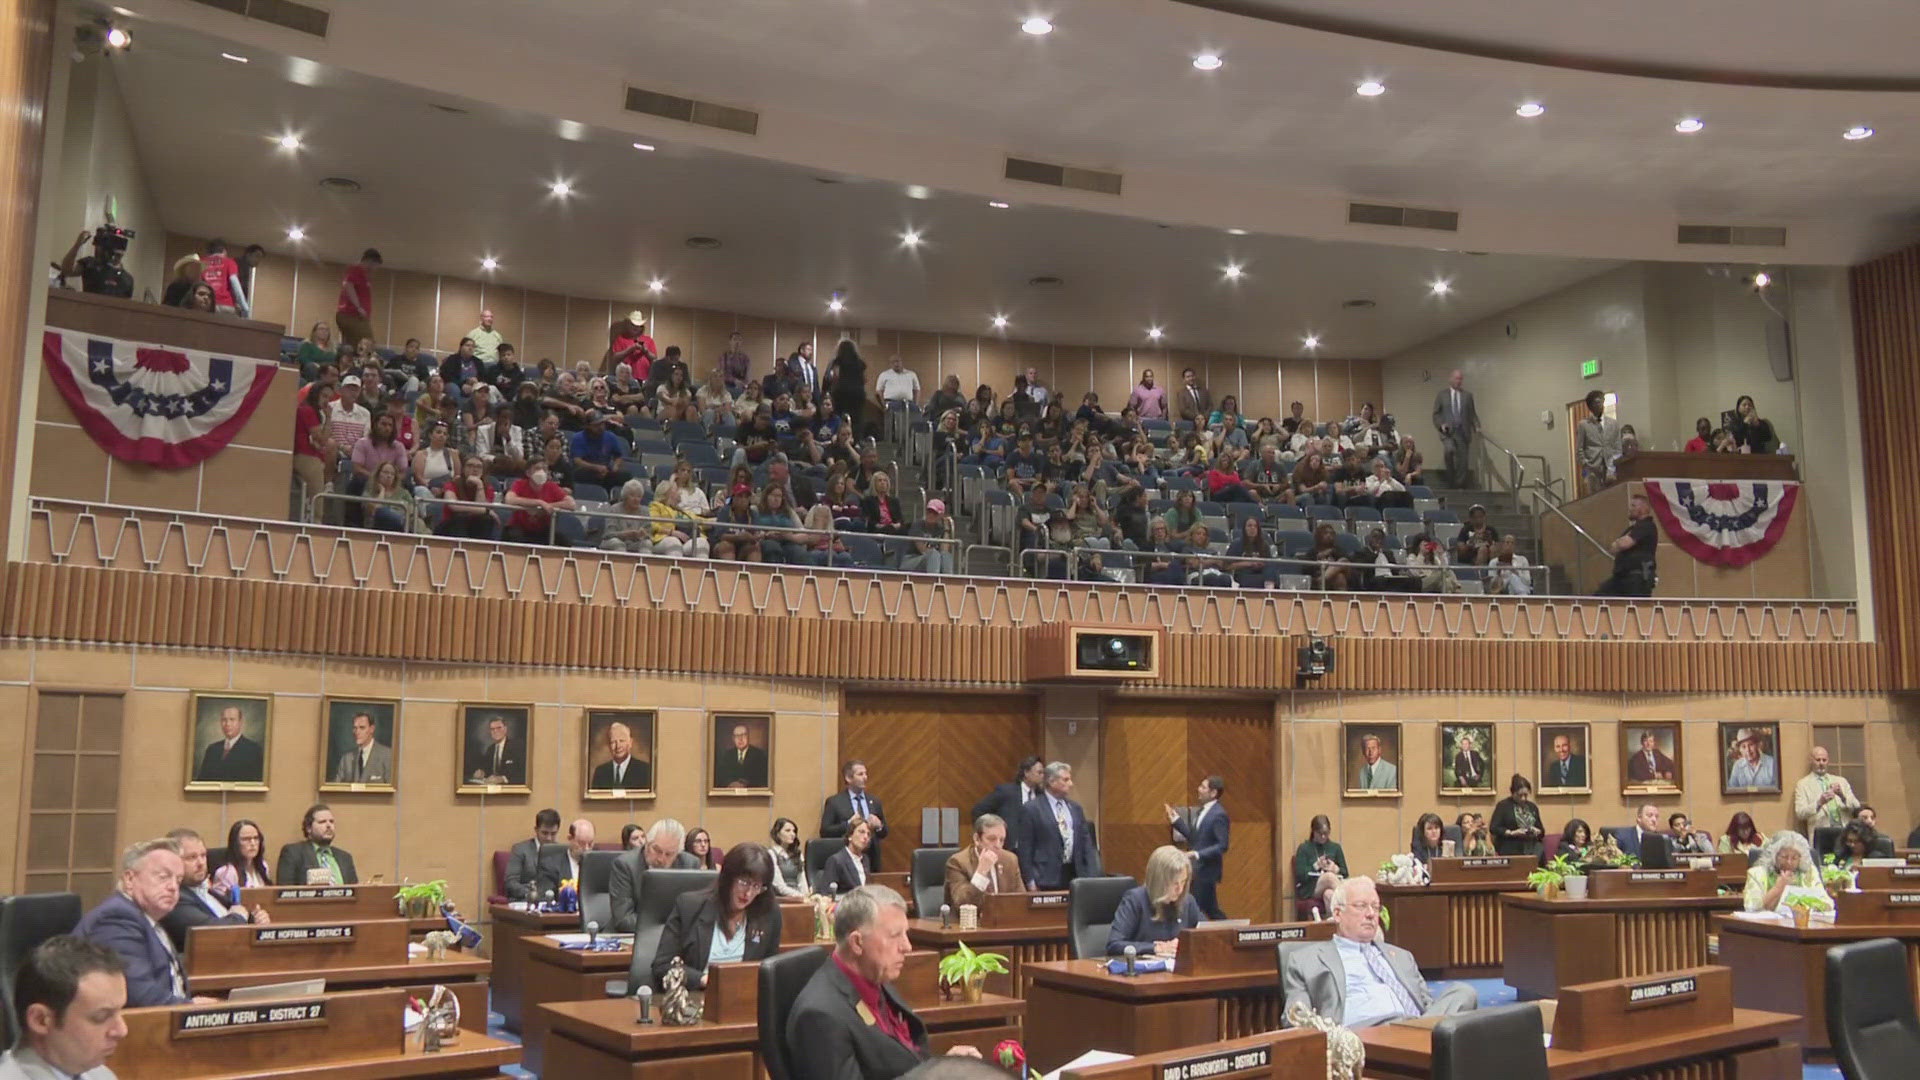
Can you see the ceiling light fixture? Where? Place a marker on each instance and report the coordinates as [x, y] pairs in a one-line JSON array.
[[1530, 110], [1155, 333], [1371, 88], [289, 141], [1311, 341], [642, 146], [1440, 286], [560, 188], [1690, 125], [1232, 270], [118, 38], [997, 204], [1038, 26], [836, 305], [296, 234], [1236, 232], [910, 238], [918, 191], [1208, 61], [656, 285], [1857, 132], [1762, 279], [235, 58], [489, 263], [999, 322]]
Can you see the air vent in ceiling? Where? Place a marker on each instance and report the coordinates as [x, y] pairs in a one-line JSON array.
[[450, 110], [689, 111], [1044, 281], [703, 243], [1734, 235], [1063, 176], [302, 17], [340, 185], [1404, 217], [1358, 304]]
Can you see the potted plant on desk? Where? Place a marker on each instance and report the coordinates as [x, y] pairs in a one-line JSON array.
[[421, 901], [969, 970], [1547, 881], [1573, 879], [1803, 905], [1836, 878]]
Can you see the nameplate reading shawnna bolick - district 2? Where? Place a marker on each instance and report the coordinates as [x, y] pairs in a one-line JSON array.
[[1233, 1061], [1657, 875], [1662, 991], [249, 1017], [288, 935], [1047, 900], [1268, 935]]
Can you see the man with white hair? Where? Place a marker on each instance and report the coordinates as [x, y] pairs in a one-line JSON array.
[[1357, 978], [558, 864], [128, 923], [622, 772], [848, 1020], [1821, 798], [664, 850]]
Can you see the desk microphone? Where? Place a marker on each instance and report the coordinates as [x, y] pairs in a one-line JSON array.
[[548, 905], [644, 996], [593, 934], [1131, 953], [946, 917]]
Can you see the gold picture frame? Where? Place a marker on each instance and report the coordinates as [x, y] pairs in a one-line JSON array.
[[214, 763]]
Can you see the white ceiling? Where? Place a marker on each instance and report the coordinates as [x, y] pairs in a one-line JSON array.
[[441, 191]]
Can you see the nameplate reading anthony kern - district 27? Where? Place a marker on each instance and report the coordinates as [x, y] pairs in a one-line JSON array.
[[289, 935], [249, 1017], [1224, 1064]]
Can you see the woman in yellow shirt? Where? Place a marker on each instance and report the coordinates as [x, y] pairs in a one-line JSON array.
[[1785, 861]]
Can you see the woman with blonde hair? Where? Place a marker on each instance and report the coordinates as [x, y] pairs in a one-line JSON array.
[[1151, 916]]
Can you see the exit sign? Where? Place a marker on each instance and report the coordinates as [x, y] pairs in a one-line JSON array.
[[1589, 369]]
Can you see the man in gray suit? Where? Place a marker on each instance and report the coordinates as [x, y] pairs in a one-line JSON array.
[[523, 861], [1376, 773], [663, 850], [1358, 979], [1456, 420], [369, 762]]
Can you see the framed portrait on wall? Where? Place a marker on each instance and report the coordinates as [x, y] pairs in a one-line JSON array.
[[1466, 759], [1650, 762], [1562, 751], [492, 749], [619, 753], [1370, 759], [227, 739], [742, 745], [1749, 759], [357, 737]]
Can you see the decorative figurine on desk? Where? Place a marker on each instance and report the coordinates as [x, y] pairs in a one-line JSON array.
[[441, 1023], [679, 1009], [1346, 1054], [569, 896], [1404, 869], [437, 943], [822, 917]]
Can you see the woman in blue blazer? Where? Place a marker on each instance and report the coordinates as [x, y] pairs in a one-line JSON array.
[[1151, 916]]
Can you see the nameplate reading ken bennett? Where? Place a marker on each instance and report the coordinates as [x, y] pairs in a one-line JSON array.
[[288, 935], [250, 1018], [1035, 900], [336, 892], [1226, 1064], [1662, 991], [1268, 935], [1657, 875]]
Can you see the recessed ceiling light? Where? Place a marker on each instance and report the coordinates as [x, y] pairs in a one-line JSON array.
[[1232, 270], [1038, 26], [1371, 88], [489, 263], [1762, 279], [1155, 332], [1690, 125], [1208, 61], [918, 191], [560, 188], [997, 204], [1440, 286], [289, 141], [656, 285], [1855, 134], [1530, 110], [235, 58], [118, 38], [1236, 232], [1311, 341], [296, 234], [999, 322], [910, 238], [642, 146], [836, 304]]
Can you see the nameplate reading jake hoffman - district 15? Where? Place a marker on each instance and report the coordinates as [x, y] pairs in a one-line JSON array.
[[1233, 1061], [1656, 875], [1485, 863], [1267, 935], [337, 892], [1047, 900], [1662, 991], [289, 935], [250, 1017]]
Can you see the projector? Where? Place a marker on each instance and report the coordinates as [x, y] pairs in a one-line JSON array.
[[1110, 652], [1313, 659]]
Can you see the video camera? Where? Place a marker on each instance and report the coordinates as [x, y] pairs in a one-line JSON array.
[[111, 239]]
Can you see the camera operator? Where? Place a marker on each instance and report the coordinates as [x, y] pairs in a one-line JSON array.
[[101, 271]]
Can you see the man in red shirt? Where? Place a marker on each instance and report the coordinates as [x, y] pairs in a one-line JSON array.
[[533, 497], [222, 275], [355, 312], [629, 344]]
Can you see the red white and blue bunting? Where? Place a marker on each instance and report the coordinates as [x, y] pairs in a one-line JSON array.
[[153, 405], [1723, 522]]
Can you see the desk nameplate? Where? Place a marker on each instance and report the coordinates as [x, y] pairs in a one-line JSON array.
[[1226, 1063], [1662, 991], [302, 935], [223, 1021]]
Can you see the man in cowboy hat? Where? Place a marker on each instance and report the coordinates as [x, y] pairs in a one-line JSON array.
[[629, 344], [1752, 768]]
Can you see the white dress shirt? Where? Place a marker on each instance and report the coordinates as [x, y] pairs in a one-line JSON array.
[[1369, 1001]]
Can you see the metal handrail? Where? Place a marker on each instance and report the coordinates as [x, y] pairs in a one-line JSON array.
[[797, 533], [1294, 565], [1519, 485]]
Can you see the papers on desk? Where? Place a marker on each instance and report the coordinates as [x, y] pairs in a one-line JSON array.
[[1087, 1061], [415, 950]]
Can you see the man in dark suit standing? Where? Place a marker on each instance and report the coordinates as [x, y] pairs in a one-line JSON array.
[[1193, 401], [1055, 842], [622, 773], [523, 861], [1456, 420], [126, 922], [1006, 801], [1567, 769], [498, 760], [848, 1020], [1469, 764], [1207, 838], [1649, 765], [740, 764], [235, 759], [843, 807], [197, 906], [315, 852]]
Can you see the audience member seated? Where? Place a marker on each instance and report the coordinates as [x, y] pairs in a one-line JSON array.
[[1428, 563], [128, 923], [1855, 845], [299, 860], [984, 867], [1681, 837], [1318, 864], [661, 849], [846, 869], [1702, 440], [1151, 916], [700, 848], [789, 860], [246, 865], [1751, 434], [1741, 835], [534, 497], [523, 859], [1357, 979], [389, 499], [68, 996], [1429, 839], [1516, 824], [882, 509], [1328, 567], [197, 905], [736, 920], [559, 865], [1785, 863], [1507, 570], [1312, 483], [926, 556]]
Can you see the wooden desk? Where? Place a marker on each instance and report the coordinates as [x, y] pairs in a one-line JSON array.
[[1453, 926], [552, 975], [1274, 1054], [1781, 968], [1022, 945], [1749, 1047], [1553, 943], [1661, 463], [358, 1038], [225, 957], [511, 929], [334, 903]]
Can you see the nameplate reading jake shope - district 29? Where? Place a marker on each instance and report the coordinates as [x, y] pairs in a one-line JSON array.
[[289, 935], [1662, 991], [1223, 1064], [249, 1017], [337, 892]]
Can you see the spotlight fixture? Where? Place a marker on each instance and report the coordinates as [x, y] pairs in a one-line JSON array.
[[1311, 341], [1440, 286], [1232, 271], [1038, 26], [835, 304], [910, 238], [1154, 333], [656, 285], [236, 58], [1236, 232], [118, 38], [999, 322], [1208, 61], [1857, 132], [1762, 279], [289, 141], [296, 234], [1689, 125], [1530, 110], [642, 146], [997, 204], [918, 191], [489, 263], [1371, 88], [560, 188]]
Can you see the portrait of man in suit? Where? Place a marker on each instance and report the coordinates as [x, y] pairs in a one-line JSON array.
[[742, 750], [228, 736], [619, 753], [494, 740], [1563, 758], [1466, 758], [1371, 753], [1652, 754], [359, 748]]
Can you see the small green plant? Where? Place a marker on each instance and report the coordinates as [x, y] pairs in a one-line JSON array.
[[422, 900], [1833, 875], [1546, 876], [1809, 901], [957, 967], [1563, 866]]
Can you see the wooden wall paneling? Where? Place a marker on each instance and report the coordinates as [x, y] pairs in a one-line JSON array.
[[1113, 374], [545, 332], [960, 357], [1038, 356], [920, 353], [1221, 373], [827, 338], [316, 294], [675, 326], [587, 324], [1072, 374], [756, 337], [708, 340], [997, 366], [1296, 384], [1143, 767], [415, 308], [509, 306], [899, 739], [789, 335], [1333, 391], [459, 312], [1886, 326], [1368, 383], [1260, 388], [273, 293]]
